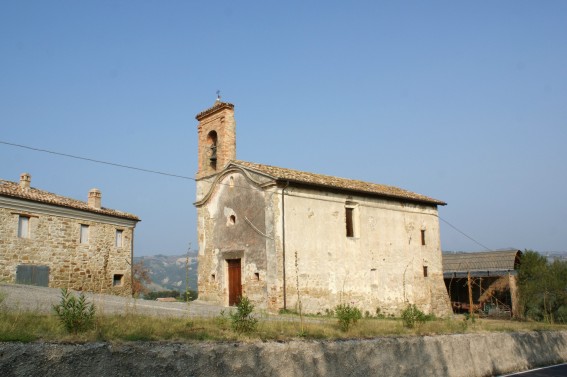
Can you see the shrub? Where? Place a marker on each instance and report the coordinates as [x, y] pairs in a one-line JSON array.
[[412, 316], [242, 320], [347, 315], [75, 314]]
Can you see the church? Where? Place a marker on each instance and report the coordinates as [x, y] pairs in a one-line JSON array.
[[288, 239]]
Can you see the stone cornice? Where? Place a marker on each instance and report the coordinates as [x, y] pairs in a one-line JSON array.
[[33, 207], [218, 106]]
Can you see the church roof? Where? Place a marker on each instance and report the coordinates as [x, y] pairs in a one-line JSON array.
[[13, 189], [296, 176]]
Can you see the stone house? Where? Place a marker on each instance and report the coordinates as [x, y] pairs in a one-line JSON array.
[[54, 241], [283, 237]]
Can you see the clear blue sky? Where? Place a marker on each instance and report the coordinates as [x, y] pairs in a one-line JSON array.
[[462, 101]]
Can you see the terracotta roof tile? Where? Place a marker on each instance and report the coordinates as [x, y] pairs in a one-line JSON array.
[[216, 107], [283, 174], [13, 189]]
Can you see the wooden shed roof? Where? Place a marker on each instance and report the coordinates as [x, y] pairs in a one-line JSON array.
[[489, 261]]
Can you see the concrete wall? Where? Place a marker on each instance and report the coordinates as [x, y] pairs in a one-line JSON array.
[[382, 266], [464, 355], [54, 242]]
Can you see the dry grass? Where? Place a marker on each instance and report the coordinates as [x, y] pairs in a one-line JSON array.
[[29, 326]]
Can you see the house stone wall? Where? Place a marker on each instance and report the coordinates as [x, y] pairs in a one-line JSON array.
[[54, 242], [381, 267]]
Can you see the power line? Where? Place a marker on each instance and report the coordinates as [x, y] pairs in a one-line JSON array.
[[97, 161], [177, 176], [464, 234]]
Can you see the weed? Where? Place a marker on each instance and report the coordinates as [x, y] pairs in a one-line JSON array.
[[242, 320], [347, 315], [75, 314], [412, 316]]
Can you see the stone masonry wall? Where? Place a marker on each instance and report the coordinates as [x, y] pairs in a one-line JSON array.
[[383, 266], [54, 241], [459, 355]]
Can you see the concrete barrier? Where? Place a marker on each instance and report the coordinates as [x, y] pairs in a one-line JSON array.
[[466, 355]]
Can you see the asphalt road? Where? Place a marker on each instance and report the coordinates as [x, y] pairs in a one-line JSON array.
[[41, 299], [552, 371]]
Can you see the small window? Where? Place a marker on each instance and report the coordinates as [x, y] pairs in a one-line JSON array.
[[118, 280], [257, 275], [424, 271], [119, 233], [423, 237], [232, 219], [349, 222], [84, 237], [24, 226]]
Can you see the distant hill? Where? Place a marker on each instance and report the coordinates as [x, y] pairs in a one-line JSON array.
[[168, 272]]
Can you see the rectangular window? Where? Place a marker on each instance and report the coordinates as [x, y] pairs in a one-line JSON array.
[[84, 238], [424, 271], [118, 280], [23, 226], [423, 237], [119, 238], [349, 222]]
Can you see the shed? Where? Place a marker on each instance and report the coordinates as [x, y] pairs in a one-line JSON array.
[[491, 276]]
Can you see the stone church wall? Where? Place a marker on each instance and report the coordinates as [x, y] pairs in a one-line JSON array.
[[384, 265]]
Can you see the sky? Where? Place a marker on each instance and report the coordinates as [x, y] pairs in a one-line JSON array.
[[465, 102]]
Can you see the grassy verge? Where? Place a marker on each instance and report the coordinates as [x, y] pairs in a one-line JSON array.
[[29, 326]]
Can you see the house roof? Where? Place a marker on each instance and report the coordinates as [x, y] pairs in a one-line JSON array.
[[296, 176], [501, 260], [13, 189]]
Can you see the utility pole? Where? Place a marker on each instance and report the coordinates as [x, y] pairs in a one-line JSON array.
[[471, 311]]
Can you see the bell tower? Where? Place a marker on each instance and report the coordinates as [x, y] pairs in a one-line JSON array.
[[217, 138]]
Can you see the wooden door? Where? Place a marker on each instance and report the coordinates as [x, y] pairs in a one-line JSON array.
[[234, 281]]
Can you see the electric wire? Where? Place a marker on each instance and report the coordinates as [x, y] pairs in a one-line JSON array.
[[180, 176]]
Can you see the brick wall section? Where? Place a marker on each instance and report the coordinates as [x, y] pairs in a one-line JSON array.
[[54, 242], [219, 118]]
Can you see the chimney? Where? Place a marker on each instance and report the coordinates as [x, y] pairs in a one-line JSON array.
[[94, 198], [25, 180]]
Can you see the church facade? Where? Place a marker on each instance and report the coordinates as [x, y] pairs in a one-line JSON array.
[[286, 238]]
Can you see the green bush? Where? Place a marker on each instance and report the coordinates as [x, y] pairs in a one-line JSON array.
[[242, 320], [412, 316], [347, 315], [75, 314]]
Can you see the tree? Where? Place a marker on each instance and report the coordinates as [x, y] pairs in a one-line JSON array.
[[543, 288], [140, 277]]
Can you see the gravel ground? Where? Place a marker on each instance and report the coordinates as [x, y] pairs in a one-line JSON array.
[[32, 298]]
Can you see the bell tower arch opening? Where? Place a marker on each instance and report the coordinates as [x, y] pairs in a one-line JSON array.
[[212, 153], [217, 138]]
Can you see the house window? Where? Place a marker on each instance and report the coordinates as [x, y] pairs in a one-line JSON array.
[[118, 280], [424, 271], [84, 236], [119, 233], [24, 226], [423, 237], [351, 217]]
